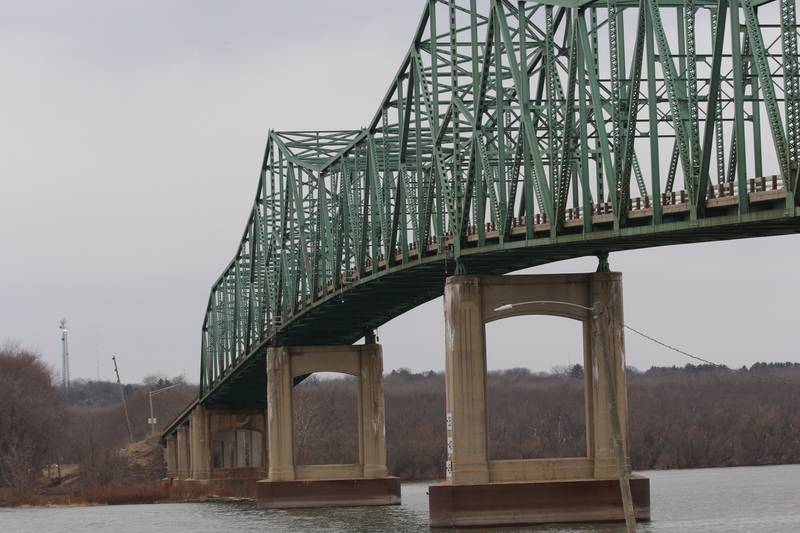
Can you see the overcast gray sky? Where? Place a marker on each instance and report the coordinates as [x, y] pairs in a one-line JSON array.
[[131, 134]]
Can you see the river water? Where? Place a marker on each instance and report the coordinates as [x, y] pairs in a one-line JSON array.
[[731, 500]]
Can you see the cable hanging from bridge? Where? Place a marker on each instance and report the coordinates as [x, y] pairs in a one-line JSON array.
[[595, 310]]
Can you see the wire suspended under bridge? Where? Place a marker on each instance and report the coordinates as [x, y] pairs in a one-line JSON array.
[[596, 310]]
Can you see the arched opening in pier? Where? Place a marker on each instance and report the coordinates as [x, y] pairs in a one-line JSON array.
[[536, 388], [325, 419], [237, 440], [237, 448]]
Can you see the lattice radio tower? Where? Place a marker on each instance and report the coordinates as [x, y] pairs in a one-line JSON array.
[[64, 354]]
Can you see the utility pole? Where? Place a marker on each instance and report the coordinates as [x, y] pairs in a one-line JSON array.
[[124, 403], [64, 355]]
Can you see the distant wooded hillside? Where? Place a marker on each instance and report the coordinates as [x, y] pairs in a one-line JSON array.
[[680, 417]]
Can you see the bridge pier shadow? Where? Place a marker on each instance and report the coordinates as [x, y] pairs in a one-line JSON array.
[[483, 492]]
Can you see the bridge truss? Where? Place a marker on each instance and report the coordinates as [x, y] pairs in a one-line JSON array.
[[514, 134]]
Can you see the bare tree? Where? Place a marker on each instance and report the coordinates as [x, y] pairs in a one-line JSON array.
[[31, 417]]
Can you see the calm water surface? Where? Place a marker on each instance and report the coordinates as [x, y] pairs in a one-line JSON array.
[[752, 499]]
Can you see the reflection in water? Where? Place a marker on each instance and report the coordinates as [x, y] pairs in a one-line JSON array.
[[731, 500]]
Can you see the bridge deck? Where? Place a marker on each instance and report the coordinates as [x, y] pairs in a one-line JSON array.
[[341, 316]]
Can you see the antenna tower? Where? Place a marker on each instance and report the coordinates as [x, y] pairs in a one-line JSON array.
[[64, 354]]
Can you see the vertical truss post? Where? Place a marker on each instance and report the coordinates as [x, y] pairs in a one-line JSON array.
[[713, 109], [583, 121], [655, 163], [597, 103], [737, 149], [791, 81]]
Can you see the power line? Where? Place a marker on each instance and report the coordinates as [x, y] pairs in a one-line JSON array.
[[670, 347], [696, 358], [593, 309]]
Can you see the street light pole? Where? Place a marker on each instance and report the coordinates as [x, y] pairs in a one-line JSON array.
[[152, 419]]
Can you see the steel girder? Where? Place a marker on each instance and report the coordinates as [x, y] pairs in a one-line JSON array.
[[511, 127]]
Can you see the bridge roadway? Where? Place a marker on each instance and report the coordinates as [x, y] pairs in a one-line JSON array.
[[342, 315]]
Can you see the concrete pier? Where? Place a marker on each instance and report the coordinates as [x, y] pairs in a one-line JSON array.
[[365, 483], [221, 448], [171, 457], [200, 445], [182, 453], [480, 492]]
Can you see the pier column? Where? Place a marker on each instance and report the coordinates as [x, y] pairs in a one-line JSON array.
[[465, 377], [608, 365], [279, 415], [200, 444], [171, 456], [371, 421], [182, 452]]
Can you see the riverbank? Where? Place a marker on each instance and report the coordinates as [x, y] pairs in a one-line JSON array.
[[115, 494], [719, 500]]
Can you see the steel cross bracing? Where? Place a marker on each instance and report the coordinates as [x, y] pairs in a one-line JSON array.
[[510, 137]]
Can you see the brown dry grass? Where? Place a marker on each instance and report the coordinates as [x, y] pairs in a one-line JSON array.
[[114, 494]]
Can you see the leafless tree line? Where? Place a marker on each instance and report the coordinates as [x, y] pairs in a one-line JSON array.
[[687, 417], [31, 417], [42, 425], [684, 417]]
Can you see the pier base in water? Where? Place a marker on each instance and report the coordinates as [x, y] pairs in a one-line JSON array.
[[327, 493], [537, 502]]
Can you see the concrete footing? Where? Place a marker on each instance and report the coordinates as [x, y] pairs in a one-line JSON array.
[[237, 488], [327, 493], [538, 502]]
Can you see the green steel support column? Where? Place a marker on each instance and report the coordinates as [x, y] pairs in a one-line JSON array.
[[627, 150], [248, 338], [377, 222], [478, 169], [614, 49], [655, 163], [699, 187], [719, 139], [791, 83], [456, 186], [583, 121], [531, 143], [597, 99], [712, 114], [567, 138], [671, 81], [552, 99], [767, 89], [755, 110], [737, 149], [506, 199], [236, 311], [599, 176]]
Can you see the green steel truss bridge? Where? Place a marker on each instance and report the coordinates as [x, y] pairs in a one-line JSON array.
[[513, 134]]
